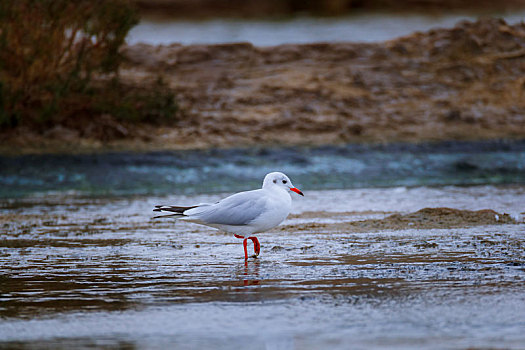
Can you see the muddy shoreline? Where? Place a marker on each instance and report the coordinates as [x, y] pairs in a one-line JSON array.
[[69, 254], [441, 263], [463, 83]]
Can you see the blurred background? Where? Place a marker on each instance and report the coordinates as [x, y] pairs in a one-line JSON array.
[[286, 8], [144, 97], [268, 23], [403, 122]]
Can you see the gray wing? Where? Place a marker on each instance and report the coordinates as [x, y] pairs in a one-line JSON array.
[[238, 209]]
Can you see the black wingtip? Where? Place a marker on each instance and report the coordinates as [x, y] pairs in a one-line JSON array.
[[168, 216]]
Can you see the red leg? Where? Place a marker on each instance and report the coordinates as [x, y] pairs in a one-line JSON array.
[[256, 245], [245, 243]]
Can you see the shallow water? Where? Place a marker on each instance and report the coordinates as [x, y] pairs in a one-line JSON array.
[[91, 271], [362, 27], [228, 170]]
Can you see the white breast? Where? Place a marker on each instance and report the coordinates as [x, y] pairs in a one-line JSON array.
[[277, 209]]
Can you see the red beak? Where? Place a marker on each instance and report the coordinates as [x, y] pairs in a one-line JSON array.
[[296, 190]]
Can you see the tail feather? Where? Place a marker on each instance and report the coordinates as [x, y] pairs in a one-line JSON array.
[[178, 211]]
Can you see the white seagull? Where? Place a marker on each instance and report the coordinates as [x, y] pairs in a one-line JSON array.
[[243, 213]]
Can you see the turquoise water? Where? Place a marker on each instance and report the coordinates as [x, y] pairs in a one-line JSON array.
[[214, 171]]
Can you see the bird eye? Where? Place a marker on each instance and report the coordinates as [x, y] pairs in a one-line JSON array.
[[284, 181], [274, 181]]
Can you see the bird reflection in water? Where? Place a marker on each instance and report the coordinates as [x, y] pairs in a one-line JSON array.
[[252, 271]]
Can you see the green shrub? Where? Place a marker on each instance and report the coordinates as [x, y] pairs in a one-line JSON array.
[[59, 59]]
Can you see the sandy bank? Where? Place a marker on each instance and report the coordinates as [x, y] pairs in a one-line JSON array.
[[464, 83], [427, 218]]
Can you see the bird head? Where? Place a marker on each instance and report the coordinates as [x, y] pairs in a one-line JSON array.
[[281, 180]]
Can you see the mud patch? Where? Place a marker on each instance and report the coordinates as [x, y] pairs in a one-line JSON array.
[[427, 218]]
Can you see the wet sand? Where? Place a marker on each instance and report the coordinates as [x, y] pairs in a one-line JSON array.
[[99, 271]]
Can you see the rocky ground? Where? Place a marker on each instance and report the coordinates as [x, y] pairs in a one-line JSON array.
[[463, 83]]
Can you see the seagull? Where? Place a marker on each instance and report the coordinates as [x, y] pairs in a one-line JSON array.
[[243, 213]]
